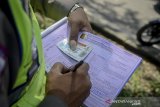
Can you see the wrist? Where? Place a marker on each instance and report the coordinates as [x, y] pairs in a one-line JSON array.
[[51, 100], [58, 93]]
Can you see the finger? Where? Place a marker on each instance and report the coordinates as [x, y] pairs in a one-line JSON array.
[[83, 69], [58, 68], [87, 28], [74, 30], [65, 70], [74, 34], [73, 45]]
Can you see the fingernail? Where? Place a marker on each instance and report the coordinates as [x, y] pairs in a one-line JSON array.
[[73, 45]]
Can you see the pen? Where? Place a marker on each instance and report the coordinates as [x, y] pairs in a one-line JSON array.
[[75, 67]]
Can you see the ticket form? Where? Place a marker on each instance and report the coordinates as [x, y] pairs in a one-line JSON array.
[[110, 66]]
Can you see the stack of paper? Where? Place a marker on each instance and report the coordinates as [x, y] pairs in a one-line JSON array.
[[110, 66]]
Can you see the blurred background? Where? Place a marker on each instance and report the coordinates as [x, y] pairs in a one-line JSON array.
[[120, 21]]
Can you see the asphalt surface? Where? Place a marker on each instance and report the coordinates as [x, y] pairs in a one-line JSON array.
[[120, 20]]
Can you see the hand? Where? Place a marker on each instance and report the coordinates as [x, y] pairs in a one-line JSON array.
[[78, 22], [72, 87]]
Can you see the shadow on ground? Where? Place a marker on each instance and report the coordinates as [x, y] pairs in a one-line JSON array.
[[120, 19], [108, 11]]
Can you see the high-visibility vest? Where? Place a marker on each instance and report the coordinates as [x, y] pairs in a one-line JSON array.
[[34, 92]]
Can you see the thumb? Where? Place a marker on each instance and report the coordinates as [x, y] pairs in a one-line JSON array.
[[74, 35], [87, 28]]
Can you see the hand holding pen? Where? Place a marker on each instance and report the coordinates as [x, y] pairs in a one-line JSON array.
[[71, 85]]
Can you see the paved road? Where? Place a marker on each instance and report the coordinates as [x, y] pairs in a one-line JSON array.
[[122, 19]]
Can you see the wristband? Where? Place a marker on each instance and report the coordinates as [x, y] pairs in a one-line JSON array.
[[76, 6]]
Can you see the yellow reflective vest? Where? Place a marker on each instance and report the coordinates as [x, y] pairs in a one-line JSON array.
[[34, 92]]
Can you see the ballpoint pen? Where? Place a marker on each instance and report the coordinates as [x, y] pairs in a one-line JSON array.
[[75, 67]]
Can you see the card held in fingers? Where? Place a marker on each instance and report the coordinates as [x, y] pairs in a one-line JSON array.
[[81, 52]]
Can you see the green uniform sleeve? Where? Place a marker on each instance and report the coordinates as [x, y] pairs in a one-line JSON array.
[[54, 9]]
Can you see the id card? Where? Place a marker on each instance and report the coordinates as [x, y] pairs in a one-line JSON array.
[[81, 52]]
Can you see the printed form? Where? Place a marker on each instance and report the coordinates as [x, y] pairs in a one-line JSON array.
[[110, 66]]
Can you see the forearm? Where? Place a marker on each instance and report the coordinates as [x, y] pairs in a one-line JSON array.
[[50, 101], [54, 9]]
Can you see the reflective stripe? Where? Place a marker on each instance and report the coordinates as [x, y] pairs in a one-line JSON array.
[[2, 58], [2, 64], [15, 95], [33, 69]]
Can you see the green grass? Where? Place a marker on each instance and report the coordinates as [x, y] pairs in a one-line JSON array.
[[143, 83]]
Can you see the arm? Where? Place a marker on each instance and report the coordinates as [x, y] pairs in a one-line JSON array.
[[51, 100], [54, 9], [59, 8]]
